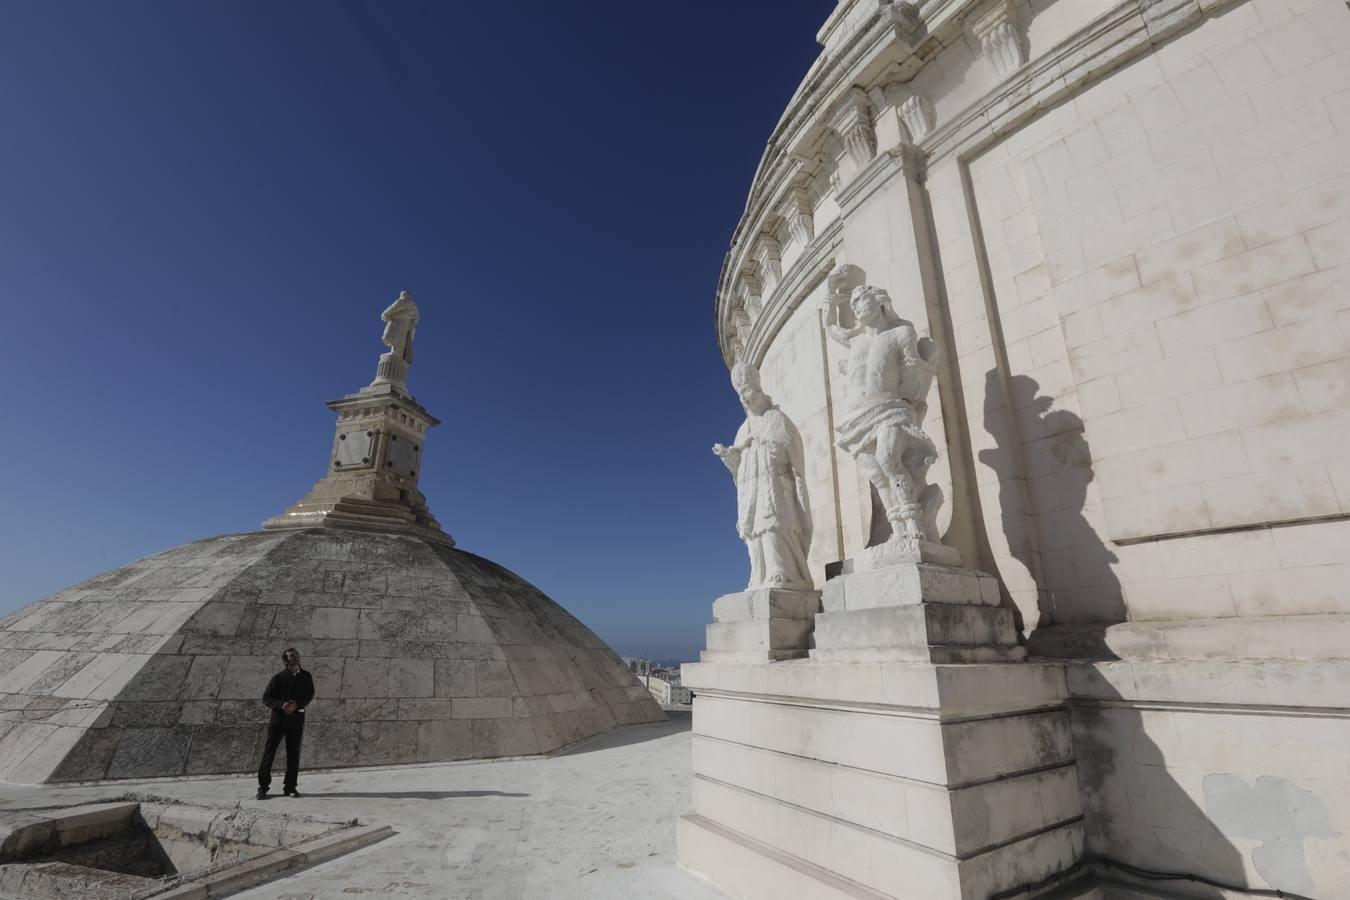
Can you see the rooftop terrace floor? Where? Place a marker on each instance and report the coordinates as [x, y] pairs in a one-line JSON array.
[[596, 821]]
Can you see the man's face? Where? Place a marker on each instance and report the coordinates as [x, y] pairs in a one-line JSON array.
[[867, 308], [751, 397], [293, 660]]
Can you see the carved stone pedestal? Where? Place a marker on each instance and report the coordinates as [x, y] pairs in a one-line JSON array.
[[876, 768], [915, 611], [761, 626]]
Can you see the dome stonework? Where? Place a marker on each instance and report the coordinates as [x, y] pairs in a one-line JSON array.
[[420, 653]]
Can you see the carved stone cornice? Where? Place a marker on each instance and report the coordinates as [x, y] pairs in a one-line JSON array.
[[748, 292], [1001, 34], [798, 211], [906, 160], [852, 121], [799, 280], [917, 115], [768, 255]]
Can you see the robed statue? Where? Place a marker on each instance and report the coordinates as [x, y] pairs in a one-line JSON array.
[[400, 327], [888, 370], [773, 515]]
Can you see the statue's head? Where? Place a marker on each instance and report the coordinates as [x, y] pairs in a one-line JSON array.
[[745, 379], [870, 305]]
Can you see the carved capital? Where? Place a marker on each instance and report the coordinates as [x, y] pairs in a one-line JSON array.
[[748, 292], [799, 213], [918, 115], [1001, 35], [769, 258], [911, 160], [852, 121]]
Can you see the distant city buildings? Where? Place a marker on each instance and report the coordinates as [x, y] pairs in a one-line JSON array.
[[662, 681]]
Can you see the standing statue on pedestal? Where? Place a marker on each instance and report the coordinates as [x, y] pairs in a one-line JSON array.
[[889, 370], [773, 515], [400, 328]]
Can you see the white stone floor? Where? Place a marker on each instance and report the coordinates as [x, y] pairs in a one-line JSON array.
[[595, 822]]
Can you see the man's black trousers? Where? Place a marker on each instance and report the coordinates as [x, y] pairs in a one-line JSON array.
[[292, 728]]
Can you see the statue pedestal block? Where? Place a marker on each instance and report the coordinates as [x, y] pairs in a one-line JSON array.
[[877, 768], [915, 612], [764, 625]]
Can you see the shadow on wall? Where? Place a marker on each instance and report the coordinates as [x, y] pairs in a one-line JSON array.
[[1150, 801], [1042, 501]]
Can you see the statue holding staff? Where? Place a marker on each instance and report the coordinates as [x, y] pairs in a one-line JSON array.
[[773, 514]]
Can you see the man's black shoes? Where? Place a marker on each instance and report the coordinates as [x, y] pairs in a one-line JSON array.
[[262, 793], [292, 792]]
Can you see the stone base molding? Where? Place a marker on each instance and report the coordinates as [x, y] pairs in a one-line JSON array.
[[761, 626], [901, 780]]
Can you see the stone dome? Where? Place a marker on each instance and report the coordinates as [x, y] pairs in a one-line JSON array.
[[420, 652]]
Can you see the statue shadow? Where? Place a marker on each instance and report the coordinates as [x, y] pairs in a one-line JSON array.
[[1044, 468], [1141, 809]]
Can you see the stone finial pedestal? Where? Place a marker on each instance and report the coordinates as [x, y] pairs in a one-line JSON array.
[[913, 754], [765, 625]]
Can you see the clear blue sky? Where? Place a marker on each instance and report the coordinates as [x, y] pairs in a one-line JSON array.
[[205, 206]]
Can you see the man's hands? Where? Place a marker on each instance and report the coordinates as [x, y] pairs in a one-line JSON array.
[[289, 707]]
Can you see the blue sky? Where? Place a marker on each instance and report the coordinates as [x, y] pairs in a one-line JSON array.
[[205, 206]]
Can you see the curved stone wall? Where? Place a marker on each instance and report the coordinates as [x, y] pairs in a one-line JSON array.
[[1125, 224]]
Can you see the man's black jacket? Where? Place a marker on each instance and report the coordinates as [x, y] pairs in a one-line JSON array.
[[285, 687]]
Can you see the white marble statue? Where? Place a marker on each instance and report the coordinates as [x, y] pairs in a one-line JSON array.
[[889, 370], [773, 515], [401, 318]]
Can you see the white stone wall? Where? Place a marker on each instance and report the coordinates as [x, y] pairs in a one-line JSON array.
[[1140, 277], [1185, 767], [1168, 256]]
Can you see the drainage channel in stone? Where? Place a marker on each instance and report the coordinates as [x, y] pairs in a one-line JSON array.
[[137, 846]]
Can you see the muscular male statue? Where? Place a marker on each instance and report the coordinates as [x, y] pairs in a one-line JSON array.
[[882, 426], [773, 515]]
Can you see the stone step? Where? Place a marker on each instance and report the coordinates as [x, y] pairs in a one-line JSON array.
[[66, 881], [910, 585], [761, 640], [931, 632], [750, 870], [766, 604]]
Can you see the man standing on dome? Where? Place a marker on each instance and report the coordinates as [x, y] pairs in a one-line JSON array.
[[287, 695]]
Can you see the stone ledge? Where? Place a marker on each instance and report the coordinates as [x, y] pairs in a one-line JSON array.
[[909, 586], [769, 603], [992, 812], [929, 632], [750, 870], [1299, 687], [1306, 638], [890, 866], [950, 691]]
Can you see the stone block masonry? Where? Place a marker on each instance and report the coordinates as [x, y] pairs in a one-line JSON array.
[[420, 653]]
